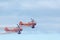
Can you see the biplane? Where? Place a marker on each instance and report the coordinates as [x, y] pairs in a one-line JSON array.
[[19, 28]]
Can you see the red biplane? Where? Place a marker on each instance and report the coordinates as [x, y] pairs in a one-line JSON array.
[[18, 29]]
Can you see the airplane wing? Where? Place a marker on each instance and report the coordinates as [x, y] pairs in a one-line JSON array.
[[2, 28], [7, 32]]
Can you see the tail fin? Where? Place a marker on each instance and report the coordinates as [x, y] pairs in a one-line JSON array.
[[20, 23]]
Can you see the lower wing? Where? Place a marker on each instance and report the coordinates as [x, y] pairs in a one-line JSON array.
[[7, 32]]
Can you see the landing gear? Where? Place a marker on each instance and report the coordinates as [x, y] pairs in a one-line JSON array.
[[33, 26], [19, 32]]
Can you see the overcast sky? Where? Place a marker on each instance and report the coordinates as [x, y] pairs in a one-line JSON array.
[[30, 7], [45, 12]]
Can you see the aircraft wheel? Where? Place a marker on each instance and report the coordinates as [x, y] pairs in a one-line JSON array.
[[33, 26], [19, 32]]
